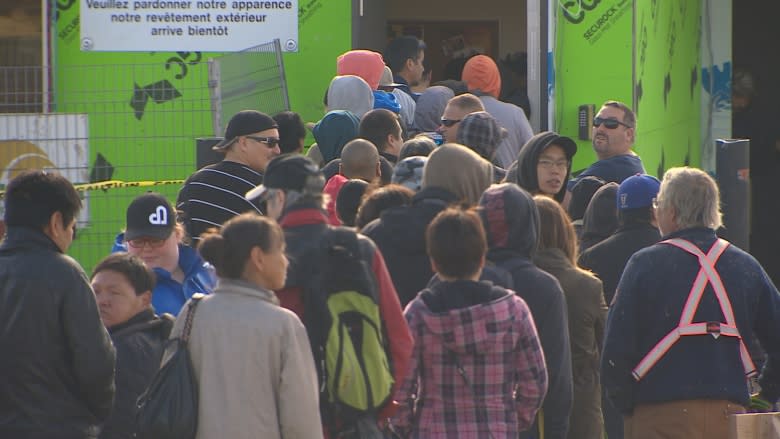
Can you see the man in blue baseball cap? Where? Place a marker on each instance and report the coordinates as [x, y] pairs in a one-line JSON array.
[[638, 229]]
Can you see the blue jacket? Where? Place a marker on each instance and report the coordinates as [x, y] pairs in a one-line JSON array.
[[648, 303], [169, 295]]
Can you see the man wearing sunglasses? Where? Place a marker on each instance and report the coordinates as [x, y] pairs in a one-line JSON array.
[[457, 108], [215, 193], [614, 132]]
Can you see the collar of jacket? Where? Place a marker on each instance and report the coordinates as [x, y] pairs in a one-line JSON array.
[[303, 215], [189, 260], [693, 234], [640, 225], [238, 286], [393, 159], [435, 193], [142, 320], [21, 237], [551, 259]]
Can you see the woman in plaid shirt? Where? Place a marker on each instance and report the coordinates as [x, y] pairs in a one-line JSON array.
[[477, 369]]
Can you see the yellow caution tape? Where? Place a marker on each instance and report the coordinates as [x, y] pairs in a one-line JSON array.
[[114, 184]]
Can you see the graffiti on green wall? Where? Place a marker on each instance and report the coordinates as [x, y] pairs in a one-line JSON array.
[[667, 86]]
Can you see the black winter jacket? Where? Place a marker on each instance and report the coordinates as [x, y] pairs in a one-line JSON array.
[[57, 362], [400, 235], [139, 344], [608, 258]]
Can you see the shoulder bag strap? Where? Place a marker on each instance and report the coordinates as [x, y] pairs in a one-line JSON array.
[[185, 335]]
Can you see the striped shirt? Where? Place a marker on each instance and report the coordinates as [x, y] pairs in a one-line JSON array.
[[214, 194]]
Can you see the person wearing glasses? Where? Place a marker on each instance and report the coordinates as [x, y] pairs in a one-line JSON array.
[[614, 133], [157, 238], [215, 193], [457, 108], [543, 165], [481, 75]]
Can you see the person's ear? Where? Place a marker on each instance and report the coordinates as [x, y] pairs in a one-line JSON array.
[[146, 298], [341, 165], [257, 257], [379, 169], [409, 64], [56, 225]]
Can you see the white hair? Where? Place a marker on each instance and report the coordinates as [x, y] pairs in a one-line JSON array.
[[693, 196]]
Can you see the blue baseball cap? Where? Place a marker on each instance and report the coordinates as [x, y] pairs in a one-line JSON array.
[[637, 191]]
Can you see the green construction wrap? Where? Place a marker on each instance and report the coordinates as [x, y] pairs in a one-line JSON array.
[[146, 109], [600, 54]]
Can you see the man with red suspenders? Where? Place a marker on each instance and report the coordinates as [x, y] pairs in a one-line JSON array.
[[675, 360]]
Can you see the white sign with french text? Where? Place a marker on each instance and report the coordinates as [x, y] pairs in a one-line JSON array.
[[187, 25]]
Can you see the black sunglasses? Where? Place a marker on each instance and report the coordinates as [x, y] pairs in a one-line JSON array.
[[609, 123], [270, 141], [449, 122]]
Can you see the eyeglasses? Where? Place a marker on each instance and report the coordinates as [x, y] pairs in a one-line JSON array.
[[449, 122], [549, 164], [142, 242], [610, 123], [270, 141]]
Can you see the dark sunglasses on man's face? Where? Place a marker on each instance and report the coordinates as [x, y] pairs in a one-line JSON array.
[[449, 122], [610, 123], [270, 141]]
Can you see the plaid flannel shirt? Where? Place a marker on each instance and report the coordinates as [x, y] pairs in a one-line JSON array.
[[492, 345]]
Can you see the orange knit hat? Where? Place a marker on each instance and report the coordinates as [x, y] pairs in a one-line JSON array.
[[481, 73], [367, 64]]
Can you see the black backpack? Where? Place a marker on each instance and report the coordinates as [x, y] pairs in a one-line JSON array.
[[345, 328]]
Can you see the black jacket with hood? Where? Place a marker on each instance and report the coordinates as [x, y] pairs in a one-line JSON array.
[[57, 362], [601, 218], [513, 236], [400, 235], [139, 343], [523, 170]]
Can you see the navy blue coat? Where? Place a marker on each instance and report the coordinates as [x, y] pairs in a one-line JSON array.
[[648, 303]]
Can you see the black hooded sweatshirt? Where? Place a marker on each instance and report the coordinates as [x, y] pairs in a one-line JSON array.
[[523, 170], [513, 236], [601, 219]]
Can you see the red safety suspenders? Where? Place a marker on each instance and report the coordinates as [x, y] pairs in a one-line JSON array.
[[707, 274]]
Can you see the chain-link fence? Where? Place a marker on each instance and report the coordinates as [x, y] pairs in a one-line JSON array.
[[117, 131]]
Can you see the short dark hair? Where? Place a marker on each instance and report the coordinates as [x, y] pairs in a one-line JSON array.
[[629, 118], [291, 131], [228, 249], [377, 200], [581, 194], [421, 145], [348, 201], [376, 125], [141, 277], [32, 197], [401, 49], [456, 242]]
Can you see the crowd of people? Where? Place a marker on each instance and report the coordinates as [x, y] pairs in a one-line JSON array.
[[480, 289]]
